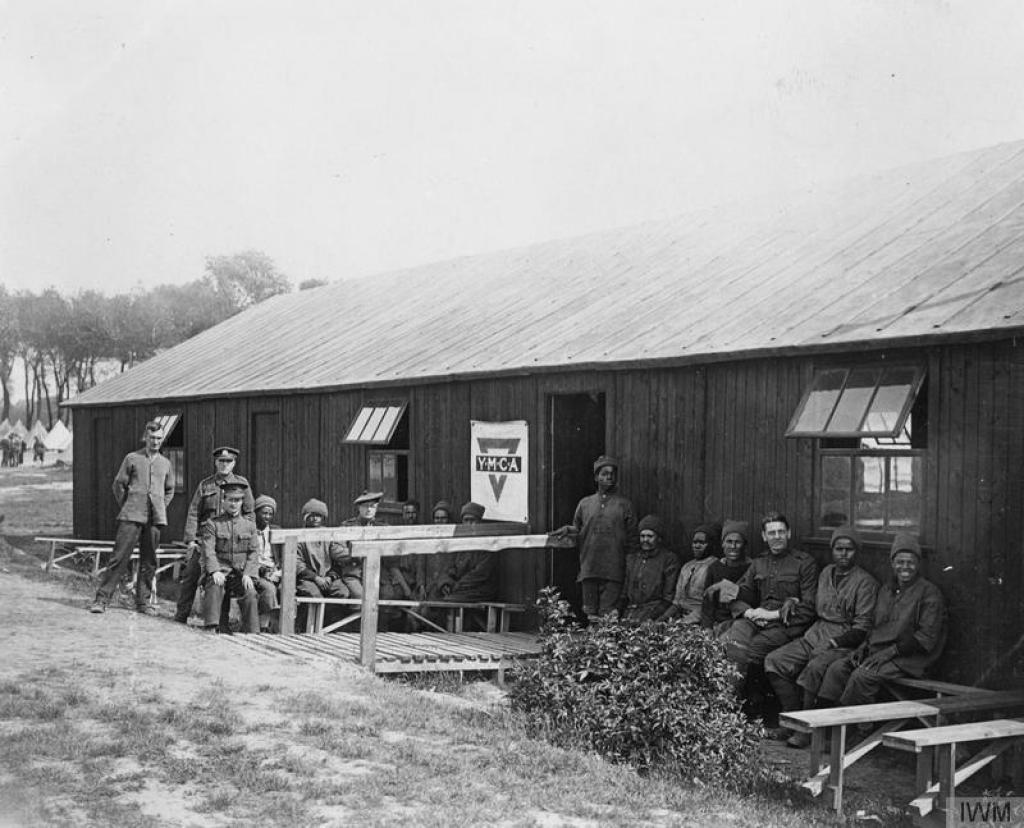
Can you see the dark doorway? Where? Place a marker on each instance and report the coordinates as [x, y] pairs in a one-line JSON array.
[[266, 467], [575, 440], [103, 509]]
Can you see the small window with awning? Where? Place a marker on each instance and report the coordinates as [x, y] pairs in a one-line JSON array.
[[375, 425], [858, 402], [173, 446]]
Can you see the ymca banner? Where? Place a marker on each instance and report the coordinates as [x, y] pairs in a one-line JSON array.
[[498, 474]]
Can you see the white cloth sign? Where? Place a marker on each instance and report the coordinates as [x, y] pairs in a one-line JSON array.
[[498, 469]]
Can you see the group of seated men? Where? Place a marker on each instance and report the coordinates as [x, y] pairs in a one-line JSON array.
[[230, 555], [817, 638]]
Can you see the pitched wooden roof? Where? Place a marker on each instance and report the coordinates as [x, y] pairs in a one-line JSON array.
[[934, 250]]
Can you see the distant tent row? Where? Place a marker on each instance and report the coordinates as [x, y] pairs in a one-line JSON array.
[[58, 441]]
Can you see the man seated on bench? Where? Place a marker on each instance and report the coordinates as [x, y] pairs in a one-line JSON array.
[[472, 576], [231, 552], [324, 569], [909, 631], [651, 575], [845, 603], [775, 606], [270, 567]]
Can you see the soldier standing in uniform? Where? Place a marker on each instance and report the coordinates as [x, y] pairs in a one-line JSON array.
[[143, 488], [231, 554], [206, 503]]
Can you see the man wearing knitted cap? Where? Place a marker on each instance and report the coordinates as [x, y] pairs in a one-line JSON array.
[[320, 565], [775, 605], [606, 529], [651, 574], [688, 596], [845, 603], [908, 633], [723, 576], [269, 564], [207, 502], [471, 576]]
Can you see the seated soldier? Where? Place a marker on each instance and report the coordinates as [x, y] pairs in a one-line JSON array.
[[775, 605], [651, 574], [723, 576], [270, 567], [230, 549], [472, 576], [845, 604], [319, 564], [688, 596], [907, 636]]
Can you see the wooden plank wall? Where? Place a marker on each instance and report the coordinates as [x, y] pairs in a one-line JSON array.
[[695, 444]]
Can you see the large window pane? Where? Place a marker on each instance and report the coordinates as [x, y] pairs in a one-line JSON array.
[[853, 403], [905, 493], [869, 493], [820, 402], [892, 399]]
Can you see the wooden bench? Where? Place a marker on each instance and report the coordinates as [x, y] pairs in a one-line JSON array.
[[999, 735], [899, 688], [167, 557], [499, 615], [890, 717]]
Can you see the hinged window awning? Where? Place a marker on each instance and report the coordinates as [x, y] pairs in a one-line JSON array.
[[857, 402], [167, 423], [375, 425]]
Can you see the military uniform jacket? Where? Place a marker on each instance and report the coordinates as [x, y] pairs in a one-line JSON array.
[[206, 502], [230, 544], [772, 579], [607, 528], [915, 619], [843, 605], [143, 488]]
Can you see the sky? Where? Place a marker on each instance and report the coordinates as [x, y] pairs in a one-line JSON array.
[[346, 139]]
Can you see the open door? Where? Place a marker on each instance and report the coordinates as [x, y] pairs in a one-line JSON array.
[[575, 439]]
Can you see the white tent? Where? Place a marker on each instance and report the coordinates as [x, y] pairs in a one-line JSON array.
[[59, 438], [37, 430], [5, 427], [19, 427]]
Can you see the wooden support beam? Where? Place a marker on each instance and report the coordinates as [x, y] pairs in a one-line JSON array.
[[371, 593], [287, 611]]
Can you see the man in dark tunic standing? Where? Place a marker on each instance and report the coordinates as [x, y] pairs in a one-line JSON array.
[[606, 527]]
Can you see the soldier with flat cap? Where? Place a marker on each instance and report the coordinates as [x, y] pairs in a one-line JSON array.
[[230, 550], [207, 503], [367, 504]]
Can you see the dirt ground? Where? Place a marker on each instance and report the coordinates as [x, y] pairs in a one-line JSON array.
[[44, 624]]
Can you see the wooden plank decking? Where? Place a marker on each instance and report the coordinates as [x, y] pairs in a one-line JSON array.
[[403, 652]]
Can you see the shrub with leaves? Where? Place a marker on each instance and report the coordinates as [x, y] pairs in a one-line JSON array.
[[653, 695]]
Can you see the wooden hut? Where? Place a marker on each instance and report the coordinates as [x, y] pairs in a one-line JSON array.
[[849, 353]]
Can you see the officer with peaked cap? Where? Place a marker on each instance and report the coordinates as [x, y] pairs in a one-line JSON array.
[[207, 503], [230, 548]]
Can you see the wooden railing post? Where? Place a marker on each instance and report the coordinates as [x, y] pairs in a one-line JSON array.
[[371, 594], [288, 586]]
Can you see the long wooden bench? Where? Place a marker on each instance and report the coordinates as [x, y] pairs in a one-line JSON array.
[[499, 615], [907, 687], [167, 557], [937, 789], [889, 717]]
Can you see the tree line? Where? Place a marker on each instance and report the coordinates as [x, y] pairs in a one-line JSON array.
[[64, 344]]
